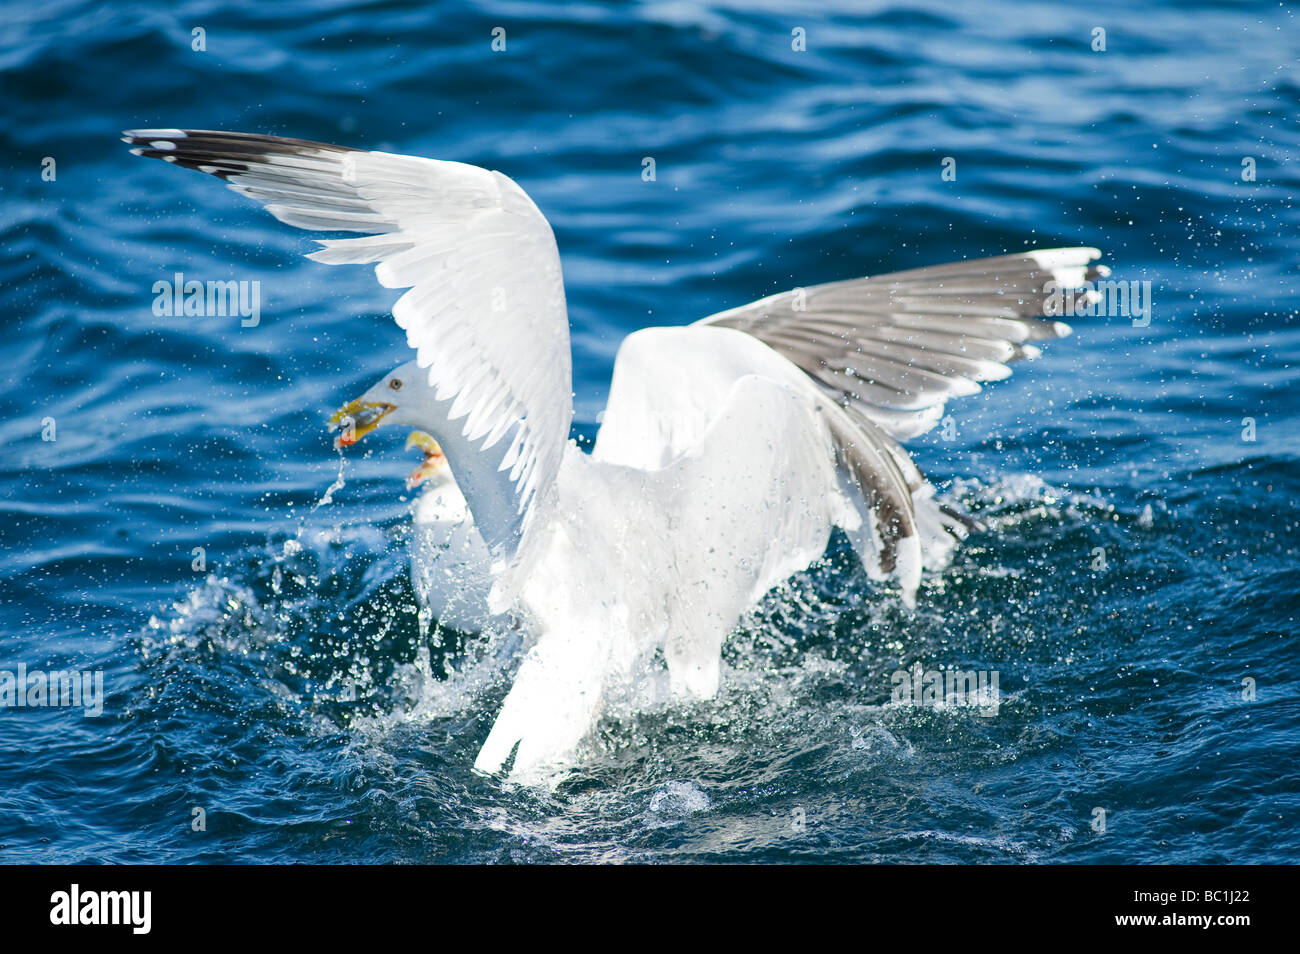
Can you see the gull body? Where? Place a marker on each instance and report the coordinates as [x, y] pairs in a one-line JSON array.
[[450, 563], [729, 449]]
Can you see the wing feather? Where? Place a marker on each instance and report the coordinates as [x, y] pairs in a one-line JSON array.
[[485, 311], [896, 347]]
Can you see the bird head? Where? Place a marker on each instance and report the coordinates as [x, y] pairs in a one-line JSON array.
[[433, 468], [396, 398], [388, 401]]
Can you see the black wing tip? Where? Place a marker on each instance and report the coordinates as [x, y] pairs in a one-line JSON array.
[[217, 139], [218, 153]]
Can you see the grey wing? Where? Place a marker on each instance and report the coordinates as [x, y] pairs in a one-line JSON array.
[[895, 347]]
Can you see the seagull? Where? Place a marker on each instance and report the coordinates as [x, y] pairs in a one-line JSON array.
[[728, 451], [450, 563]]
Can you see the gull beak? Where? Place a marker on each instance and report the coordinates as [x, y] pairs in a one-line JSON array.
[[434, 461], [356, 419]]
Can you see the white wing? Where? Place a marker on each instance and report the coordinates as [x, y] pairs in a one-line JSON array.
[[897, 346], [485, 311]]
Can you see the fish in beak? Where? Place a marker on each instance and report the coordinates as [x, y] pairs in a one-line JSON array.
[[434, 461], [356, 419]]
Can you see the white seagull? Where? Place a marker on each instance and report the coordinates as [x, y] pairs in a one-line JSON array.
[[729, 448], [451, 567]]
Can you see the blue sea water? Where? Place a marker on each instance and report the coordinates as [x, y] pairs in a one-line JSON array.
[[1136, 585]]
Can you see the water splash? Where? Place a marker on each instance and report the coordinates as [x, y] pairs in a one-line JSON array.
[[339, 483], [679, 799]]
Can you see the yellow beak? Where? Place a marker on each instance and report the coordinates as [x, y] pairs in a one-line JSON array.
[[434, 460], [356, 419]]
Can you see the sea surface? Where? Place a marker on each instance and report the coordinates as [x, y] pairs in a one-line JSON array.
[[267, 693]]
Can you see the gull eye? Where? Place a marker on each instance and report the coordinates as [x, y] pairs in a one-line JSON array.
[[395, 384]]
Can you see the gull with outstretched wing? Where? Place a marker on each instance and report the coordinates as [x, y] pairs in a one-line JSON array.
[[729, 448]]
